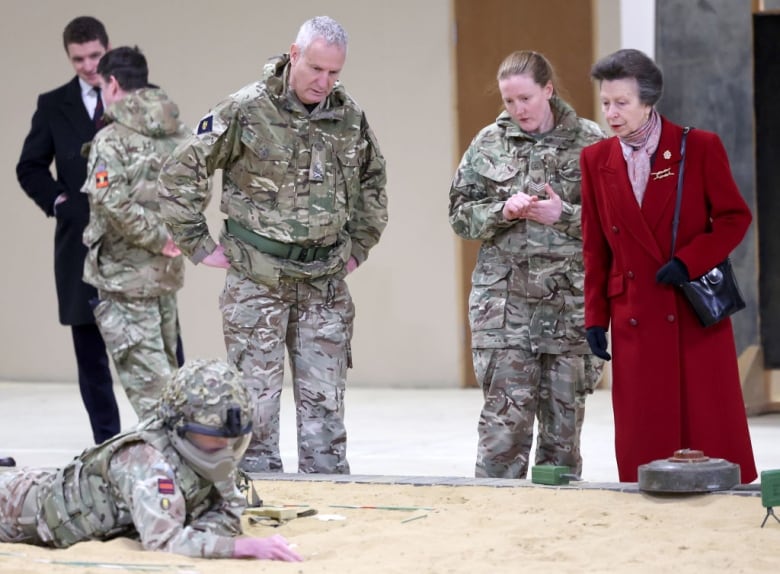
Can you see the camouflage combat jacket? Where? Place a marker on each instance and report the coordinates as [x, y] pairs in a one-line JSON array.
[[294, 177], [136, 485], [527, 285], [125, 235]]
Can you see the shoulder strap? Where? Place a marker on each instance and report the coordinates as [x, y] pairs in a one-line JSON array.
[[676, 219]]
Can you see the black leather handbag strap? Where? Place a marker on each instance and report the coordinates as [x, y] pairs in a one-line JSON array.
[[678, 203]]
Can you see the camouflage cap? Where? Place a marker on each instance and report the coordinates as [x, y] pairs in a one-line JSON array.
[[207, 394]]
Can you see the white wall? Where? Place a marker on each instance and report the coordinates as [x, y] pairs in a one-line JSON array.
[[637, 25], [400, 70], [622, 24]]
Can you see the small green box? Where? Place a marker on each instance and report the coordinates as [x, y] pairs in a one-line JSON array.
[[549, 474], [770, 488]]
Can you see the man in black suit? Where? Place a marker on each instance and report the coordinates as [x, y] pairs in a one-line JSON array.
[[66, 118]]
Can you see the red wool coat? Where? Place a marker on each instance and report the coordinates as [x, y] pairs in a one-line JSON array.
[[675, 384]]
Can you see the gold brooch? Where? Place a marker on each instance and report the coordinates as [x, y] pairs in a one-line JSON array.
[[667, 154], [662, 174]]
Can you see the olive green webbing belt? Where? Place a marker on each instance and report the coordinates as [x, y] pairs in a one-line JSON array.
[[277, 248]]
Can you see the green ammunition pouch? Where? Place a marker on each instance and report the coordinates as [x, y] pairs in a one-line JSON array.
[[77, 506], [291, 251], [69, 511]]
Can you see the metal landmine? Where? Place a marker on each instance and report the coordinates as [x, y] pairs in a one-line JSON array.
[[552, 475], [688, 471]]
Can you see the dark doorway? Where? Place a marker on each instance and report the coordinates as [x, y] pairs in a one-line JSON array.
[[766, 81]]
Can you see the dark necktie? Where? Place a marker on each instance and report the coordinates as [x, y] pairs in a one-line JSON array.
[[97, 117]]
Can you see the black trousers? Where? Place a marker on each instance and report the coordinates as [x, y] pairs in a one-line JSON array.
[[95, 383]]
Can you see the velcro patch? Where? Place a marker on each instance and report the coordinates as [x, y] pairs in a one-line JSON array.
[[165, 486], [205, 125], [101, 179]]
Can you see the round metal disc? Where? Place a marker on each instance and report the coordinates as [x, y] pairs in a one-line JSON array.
[[688, 471]]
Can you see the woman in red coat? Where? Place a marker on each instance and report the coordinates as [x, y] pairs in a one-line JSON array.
[[675, 384]]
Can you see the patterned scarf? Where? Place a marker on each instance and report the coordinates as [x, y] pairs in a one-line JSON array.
[[638, 147]]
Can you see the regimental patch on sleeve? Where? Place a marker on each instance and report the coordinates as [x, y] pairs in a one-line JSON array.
[[101, 179], [206, 125], [165, 486]]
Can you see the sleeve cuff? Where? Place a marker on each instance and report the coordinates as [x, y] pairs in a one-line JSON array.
[[204, 250]]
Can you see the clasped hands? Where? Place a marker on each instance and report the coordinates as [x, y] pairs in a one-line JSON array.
[[524, 206]]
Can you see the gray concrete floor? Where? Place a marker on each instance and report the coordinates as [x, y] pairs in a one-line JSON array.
[[392, 432]]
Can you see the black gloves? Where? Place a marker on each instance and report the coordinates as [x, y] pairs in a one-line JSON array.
[[597, 339], [673, 273]]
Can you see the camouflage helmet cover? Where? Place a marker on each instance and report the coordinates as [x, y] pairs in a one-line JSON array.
[[207, 394]]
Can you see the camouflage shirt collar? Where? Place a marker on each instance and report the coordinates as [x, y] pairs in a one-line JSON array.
[[276, 74], [564, 132]]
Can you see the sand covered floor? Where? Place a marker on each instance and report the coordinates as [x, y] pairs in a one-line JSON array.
[[467, 529]]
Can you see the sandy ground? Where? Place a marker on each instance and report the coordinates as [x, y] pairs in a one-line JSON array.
[[467, 529]]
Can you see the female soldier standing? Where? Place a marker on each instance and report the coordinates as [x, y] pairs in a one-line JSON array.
[[517, 189]]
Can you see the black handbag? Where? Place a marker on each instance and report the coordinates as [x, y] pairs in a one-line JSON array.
[[715, 295]]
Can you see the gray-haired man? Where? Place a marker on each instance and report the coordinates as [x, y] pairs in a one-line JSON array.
[[304, 194]]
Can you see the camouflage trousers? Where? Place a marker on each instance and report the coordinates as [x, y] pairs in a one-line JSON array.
[[141, 336], [521, 387], [18, 505], [314, 324]]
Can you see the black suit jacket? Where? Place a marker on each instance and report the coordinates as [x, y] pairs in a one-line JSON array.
[[60, 126]]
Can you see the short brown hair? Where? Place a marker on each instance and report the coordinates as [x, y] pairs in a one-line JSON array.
[[84, 29], [128, 65]]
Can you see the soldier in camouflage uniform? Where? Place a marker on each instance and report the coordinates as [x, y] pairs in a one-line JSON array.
[[517, 190], [132, 259], [303, 188], [170, 482]]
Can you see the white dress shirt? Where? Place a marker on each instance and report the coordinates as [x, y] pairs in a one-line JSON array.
[[89, 97]]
